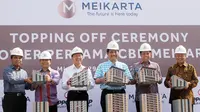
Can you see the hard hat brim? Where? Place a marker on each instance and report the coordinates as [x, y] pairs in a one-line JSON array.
[[112, 49], [180, 53], [16, 55], [144, 50], [45, 58], [77, 53]]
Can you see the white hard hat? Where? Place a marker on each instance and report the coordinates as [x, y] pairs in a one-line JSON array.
[[180, 50], [17, 51], [45, 55], [76, 50], [113, 45], [145, 47]]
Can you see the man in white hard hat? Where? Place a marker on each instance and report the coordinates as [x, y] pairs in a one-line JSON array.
[[76, 93], [15, 82], [48, 91], [145, 52], [185, 71], [112, 52]]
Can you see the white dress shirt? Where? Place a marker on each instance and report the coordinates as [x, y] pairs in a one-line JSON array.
[[69, 72]]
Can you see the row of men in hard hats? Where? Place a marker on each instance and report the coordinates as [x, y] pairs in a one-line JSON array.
[[16, 79], [180, 68]]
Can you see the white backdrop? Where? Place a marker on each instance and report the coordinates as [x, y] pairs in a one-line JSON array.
[[154, 12], [94, 96]]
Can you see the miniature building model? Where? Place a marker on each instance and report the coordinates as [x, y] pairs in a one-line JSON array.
[[116, 103], [116, 76], [41, 106], [150, 102], [148, 75], [78, 106], [38, 77], [182, 105], [178, 83], [80, 79]]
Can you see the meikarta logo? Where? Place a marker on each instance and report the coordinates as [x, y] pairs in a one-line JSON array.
[[67, 8]]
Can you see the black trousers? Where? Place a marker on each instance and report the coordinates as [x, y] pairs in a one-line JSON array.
[[53, 108], [13, 102], [103, 97], [137, 104], [76, 96]]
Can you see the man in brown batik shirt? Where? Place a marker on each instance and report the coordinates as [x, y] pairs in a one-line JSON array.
[[185, 71]]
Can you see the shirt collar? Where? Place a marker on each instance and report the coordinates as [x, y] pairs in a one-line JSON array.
[[74, 67], [149, 62], [49, 69], [185, 64], [110, 62], [13, 67]]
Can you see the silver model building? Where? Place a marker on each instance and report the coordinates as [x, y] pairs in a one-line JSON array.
[[116, 76], [178, 83], [148, 75], [150, 102], [116, 103], [38, 77], [80, 79], [182, 105], [78, 106], [41, 106]]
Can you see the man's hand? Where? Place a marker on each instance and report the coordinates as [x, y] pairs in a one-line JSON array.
[[132, 82], [169, 83], [28, 80], [100, 80], [35, 86], [47, 78], [69, 81], [187, 85]]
